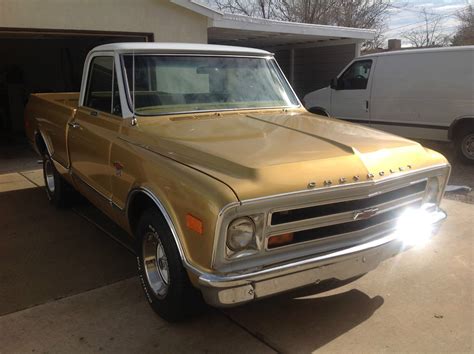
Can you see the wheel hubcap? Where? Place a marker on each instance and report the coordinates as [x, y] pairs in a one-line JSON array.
[[468, 146], [49, 175], [156, 264]]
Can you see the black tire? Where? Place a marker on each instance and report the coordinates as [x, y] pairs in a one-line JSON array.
[[318, 111], [175, 299], [57, 189], [465, 147]]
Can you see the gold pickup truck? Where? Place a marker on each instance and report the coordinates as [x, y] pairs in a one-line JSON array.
[[229, 188]]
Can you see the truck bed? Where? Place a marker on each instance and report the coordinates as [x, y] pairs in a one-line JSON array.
[[68, 99], [50, 114]]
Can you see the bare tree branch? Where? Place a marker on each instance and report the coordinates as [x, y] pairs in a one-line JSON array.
[[253, 8], [429, 34], [349, 13], [465, 32]]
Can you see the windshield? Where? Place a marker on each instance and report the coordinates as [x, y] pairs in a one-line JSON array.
[[173, 84]]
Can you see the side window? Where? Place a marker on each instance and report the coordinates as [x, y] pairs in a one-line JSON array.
[[102, 87], [356, 76]]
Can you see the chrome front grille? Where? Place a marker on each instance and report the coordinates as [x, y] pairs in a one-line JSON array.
[[308, 212], [287, 216], [323, 221]]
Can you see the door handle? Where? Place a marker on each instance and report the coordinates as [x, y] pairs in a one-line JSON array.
[[94, 113], [366, 105], [74, 125]]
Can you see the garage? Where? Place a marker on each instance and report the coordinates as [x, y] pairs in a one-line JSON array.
[[43, 45], [45, 61]]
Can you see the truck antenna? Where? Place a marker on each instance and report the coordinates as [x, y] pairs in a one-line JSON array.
[[134, 118]]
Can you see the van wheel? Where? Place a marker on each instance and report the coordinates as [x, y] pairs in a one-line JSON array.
[[465, 147], [162, 275], [57, 189], [319, 111]]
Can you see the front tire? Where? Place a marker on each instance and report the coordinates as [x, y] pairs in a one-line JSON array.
[[465, 147], [162, 275]]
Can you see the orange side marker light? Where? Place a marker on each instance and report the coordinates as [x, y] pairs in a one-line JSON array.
[[193, 223]]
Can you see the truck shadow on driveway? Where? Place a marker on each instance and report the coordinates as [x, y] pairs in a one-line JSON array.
[[46, 253], [306, 319]]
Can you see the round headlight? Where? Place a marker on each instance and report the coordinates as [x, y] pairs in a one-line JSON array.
[[240, 233], [432, 191]]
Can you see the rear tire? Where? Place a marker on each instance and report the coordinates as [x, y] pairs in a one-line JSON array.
[[162, 275], [465, 147], [57, 189]]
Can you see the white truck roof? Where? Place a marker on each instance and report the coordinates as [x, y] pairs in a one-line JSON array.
[[165, 47], [422, 50]]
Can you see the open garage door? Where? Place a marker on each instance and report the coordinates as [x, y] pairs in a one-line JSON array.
[[44, 61]]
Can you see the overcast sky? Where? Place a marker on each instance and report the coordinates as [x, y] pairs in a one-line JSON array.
[[405, 15]]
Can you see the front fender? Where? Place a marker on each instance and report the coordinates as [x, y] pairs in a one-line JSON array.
[[178, 190]]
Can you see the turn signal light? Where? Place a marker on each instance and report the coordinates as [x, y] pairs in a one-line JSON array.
[[193, 223], [280, 240]]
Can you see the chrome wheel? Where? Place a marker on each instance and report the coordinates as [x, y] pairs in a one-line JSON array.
[[467, 146], [49, 175], [164, 279], [155, 264]]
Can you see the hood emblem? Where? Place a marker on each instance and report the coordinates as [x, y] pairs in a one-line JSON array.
[[356, 178], [365, 213]]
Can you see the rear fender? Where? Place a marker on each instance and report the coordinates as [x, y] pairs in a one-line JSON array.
[[42, 144]]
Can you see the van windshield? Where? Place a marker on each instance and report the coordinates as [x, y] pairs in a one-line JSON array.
[[176, 84]]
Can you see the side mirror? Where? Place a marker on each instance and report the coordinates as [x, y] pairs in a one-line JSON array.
[[333, 84]]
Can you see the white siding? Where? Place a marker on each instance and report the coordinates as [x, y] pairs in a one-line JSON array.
[[168, 22]]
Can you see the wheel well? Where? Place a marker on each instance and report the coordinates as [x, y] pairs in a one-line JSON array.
[[137, 205], [319, 110], [40, 144], [459, 127]]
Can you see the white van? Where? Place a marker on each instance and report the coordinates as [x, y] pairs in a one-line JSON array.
[[419, 93]]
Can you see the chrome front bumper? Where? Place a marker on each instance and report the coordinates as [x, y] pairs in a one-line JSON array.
[[234, 289]]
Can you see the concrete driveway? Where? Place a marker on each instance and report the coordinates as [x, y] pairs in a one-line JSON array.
[[67, 287]]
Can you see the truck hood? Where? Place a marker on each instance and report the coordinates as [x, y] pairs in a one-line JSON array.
[[267, 153]]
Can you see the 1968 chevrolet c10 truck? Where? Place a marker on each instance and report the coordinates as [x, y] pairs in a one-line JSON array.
[[229, 188]]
